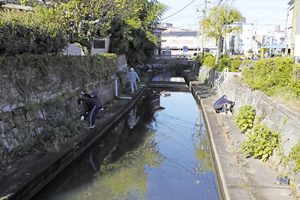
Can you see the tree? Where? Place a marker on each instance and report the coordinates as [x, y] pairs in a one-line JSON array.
[[30, 32], [88, 19], [221, 20], [134, 36]]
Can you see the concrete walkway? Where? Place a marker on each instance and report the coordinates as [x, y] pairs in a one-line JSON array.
[[240, 178]]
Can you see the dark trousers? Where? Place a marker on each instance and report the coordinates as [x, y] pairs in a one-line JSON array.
[[92, 115], [221, 107]]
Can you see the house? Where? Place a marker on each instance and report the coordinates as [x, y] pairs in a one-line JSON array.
[[99, 46], [297, 34], [177, 41], [289, 26]]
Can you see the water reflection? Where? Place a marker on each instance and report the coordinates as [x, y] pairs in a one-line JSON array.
[[165, 156], [169, 76], [132, 119]]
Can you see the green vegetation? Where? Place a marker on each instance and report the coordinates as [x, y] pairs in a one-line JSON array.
[[277, 77], [235, 64], [76, 70], [209, 61], [133, 37], [245, 119], [261, 142], [84, 20], [225, 62], [30, 32], [217, 22], [294, 156]]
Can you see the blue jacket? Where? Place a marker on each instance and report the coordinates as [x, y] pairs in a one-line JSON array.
[[222, 100], [133, 76]]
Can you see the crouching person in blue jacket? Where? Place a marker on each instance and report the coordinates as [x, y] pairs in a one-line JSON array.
[[91, 105], [220, 106]]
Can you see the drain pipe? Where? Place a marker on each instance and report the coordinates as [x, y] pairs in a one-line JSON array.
[[116, 83]]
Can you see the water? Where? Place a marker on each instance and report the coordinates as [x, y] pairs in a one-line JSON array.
[[162, 155]]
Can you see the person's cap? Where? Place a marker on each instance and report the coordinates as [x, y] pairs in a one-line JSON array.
[[94, 93], [131, 69], [224, 96]]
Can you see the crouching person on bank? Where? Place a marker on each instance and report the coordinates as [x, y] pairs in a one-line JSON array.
[[91, 105], [220, 106]]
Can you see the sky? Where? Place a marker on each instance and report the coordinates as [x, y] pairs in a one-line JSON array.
[[264, 14]]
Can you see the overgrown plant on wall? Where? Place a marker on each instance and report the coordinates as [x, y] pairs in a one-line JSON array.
[[41, 90], [245, 119], [33, 74], [261, 142], [294, 156]]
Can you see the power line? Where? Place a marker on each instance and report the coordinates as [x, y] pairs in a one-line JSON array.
[[179, 10], [233, 2], [272, 15]]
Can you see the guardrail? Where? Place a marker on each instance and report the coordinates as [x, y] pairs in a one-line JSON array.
[[178, 57], [222, 79]]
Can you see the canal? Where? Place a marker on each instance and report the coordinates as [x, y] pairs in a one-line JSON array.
[[151, 154]]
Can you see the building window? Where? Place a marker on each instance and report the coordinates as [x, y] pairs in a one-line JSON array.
[[99, 44]]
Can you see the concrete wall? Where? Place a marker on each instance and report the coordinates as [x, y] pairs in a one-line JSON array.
[[277, 116]]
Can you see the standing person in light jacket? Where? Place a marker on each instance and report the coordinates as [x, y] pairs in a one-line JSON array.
[[221, 105], [132, 77], [91, 105]]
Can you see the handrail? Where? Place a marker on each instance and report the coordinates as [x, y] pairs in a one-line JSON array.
[[222, 79]]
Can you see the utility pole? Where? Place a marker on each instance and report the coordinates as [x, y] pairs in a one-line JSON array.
[[204, 15], [294, 28]]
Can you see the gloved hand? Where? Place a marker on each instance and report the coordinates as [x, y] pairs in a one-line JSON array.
[[82, 92], [82, 118]]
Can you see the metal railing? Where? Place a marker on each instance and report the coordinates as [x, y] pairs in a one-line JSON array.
[[178, 57], [222, 79]]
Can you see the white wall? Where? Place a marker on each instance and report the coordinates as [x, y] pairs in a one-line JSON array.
[[75, 50], [247, 37]]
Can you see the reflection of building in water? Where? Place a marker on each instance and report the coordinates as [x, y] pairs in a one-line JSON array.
[[132, 119], [177, 79], [171, 76]]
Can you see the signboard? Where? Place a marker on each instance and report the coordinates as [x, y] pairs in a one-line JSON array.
[[185, 48], [262, 53]]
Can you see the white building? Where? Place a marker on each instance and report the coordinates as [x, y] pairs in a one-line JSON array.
[[99, 46], [247, 37], [289, 25], [175, 40]]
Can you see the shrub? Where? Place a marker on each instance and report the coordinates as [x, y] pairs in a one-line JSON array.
[[209, 61], [294, 156], [222, 63], [235, 64], [261, 143], [30, 32], [270, 75], [200, 58], [245, 119]]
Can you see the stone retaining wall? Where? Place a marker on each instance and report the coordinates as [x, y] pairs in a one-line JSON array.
[[21, 120], [277, 116]]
